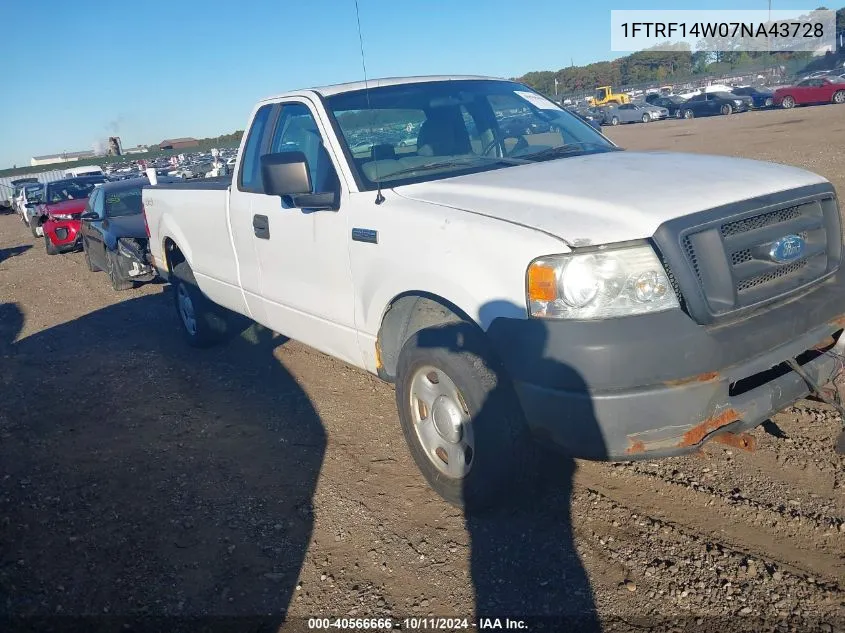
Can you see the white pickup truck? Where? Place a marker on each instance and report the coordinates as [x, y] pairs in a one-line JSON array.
[[514, 273]]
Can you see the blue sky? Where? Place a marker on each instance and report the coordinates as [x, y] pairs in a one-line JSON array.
[[159, 69]]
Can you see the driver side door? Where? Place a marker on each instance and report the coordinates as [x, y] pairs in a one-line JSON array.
[[93, 230], [303, 254]]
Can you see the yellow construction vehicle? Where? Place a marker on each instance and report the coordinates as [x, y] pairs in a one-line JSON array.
[[605, 95]]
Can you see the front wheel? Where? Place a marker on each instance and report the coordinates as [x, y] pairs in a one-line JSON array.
[[614, 120], [48, 244], [688, 114], [787, 103], [113, 271], [727, 109], [646, 118], [460, 416], [91, 267], [203, 322], [839, 96], [35, 227]]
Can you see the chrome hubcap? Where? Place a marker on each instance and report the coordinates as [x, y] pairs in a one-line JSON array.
[[186, 310], [442, 422]]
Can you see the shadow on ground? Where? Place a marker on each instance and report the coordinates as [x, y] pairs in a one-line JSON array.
[[145, 478], [6, 253]]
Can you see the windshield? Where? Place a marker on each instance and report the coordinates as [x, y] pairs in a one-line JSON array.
[[63, 190], [121, 203], [33, 192], [449, 128]]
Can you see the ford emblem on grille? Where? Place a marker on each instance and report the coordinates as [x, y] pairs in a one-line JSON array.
[[787, 249]]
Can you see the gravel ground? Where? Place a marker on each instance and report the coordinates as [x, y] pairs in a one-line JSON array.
[[141, 478]]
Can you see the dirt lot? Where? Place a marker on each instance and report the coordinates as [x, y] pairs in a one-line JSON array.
[[143, 478]]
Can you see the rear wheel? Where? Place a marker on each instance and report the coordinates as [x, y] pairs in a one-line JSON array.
[[203, 322], [688, 114], [787, 102], [113, 271], [35, 227], [460, 417], [839, 96]]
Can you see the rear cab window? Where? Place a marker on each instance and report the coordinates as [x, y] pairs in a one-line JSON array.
[[249, 176]]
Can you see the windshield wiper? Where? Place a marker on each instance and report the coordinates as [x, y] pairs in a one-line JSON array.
[[569, 149], [443, 164]]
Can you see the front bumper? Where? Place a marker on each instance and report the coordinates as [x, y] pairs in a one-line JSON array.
[[64, 234], [660, 385], [133, 260]]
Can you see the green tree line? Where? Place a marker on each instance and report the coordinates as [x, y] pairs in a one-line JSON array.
[[667, 66]]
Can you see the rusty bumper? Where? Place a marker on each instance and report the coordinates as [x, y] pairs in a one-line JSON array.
[[661, 385]]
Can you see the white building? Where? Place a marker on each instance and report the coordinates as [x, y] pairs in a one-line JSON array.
[[65, 157]]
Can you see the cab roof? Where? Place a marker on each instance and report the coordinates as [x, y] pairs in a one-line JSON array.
[[334, 89]]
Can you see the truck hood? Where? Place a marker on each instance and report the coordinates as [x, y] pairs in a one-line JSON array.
[[66, 206], [609, 197]]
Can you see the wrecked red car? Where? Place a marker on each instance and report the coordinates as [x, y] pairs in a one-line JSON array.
[[56, 216]]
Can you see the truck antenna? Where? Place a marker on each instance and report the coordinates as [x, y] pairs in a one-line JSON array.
[[379, 196]]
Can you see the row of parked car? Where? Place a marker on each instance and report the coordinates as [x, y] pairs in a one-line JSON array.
[[97, 214], [809, 91]]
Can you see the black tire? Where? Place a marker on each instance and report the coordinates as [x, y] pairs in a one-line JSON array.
[[88, 262], [48, 244], [839, 96], [210, 324], [646, 118], [33, 227], [614, 120], [689, 114], [787, 102], [503, 454], [726, 109], [113, 271]]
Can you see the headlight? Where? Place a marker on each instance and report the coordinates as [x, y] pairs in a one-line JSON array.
[[61, 216], [738, 101], [599, 284]]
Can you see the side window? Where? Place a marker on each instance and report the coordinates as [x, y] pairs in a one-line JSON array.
[[249, 178], [297, 131], [96, 202]]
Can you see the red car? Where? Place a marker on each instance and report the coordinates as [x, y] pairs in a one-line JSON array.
[[57, 215], [816, 90]]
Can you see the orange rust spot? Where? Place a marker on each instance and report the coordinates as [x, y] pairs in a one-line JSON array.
[[703, 429], [840, 321], [743, 441], [825, 343], [379, 363], [637, 446], [711, 375]]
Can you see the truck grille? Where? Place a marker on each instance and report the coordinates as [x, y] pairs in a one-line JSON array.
[[721, 258]]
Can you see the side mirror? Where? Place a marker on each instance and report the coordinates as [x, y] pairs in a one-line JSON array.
[[90, 216], [286, 174]]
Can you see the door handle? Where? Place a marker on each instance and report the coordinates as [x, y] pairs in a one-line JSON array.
[[261, 226]]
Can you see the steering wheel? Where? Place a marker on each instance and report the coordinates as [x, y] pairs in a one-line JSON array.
[[521, 144]]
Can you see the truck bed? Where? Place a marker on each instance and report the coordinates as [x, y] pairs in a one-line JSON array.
[[196, 215]]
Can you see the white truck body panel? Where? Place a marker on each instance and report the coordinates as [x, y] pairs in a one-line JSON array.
[[312, 283], [564, 199]]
